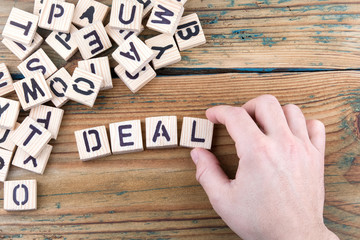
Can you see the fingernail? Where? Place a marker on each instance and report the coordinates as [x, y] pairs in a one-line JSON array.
[[194, 155]]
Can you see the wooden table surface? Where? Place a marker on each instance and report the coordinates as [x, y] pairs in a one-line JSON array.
[[305, 52]]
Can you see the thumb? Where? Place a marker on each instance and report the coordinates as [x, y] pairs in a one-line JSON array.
[[209, 173]]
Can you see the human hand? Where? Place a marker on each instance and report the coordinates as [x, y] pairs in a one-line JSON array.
[[278, 191]]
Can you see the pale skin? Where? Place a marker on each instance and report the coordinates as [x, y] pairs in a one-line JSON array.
[[278, 191]]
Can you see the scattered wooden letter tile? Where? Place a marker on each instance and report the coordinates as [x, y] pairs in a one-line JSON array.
[[148, 5], [101, 67], [32, 91], [165, 16], [126, 137], [5, 138], [92, 40], [137, 81], [37, 62], [58, 83], [120, 36], [20, 195], [84, 87], [5, 161], [189, 32], [56, 16], [161, 132], [196, 132], [21, 26], [166, 50], [31, 137], [133, 55], [20, 50], [63, 43], [49, 117], [9, 112], [126, 15], [92, 143], [88, 12], [6, 82], [36, 165]]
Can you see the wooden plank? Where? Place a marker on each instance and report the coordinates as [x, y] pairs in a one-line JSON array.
[[154, 193], [253, 34]]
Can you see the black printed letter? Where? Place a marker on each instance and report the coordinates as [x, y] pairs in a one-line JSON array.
[[93, 42], [34, 131], [124, 135], [53, 14], [157, 132], [161, 15], [193, 138], [33, 93]]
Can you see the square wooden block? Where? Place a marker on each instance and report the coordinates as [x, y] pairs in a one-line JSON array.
[[120, 36], [92, 143], [56, 16], [147, 5], [189, 32], [84, 87], [37, 62], [20, 50], [58, 84], [5, 161], [63, 43], [31, 137], [196, 132], [36, 165], [137, 81], [49, 117], [20, 195], [165, 16], [133, 55], [126, 15], [166, 49], [32, 91], [21, 26], [126, 137], [92, 40], [5, 138], [38, 5], [9, 112], [161, 132], [88, 12], [101, 67], [6, 82]]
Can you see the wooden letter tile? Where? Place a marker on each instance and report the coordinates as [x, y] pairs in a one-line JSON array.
[[165, 16], [20, 50], [126, 15], [63, 43], [166, 49], [137, 81], [32, 91], [148, 5], [133, 55], [101, 67], [9, 112], [21, 26], [84, 87], [49, 117], [20, 195], [120, 36], [31, 137], [92, 40], [36, 165], [88, 12], [5, 138], [126, 137], [196, 132], [161, 132], [189, 32], [5, 161], [92, 143], [56, 16], [58, 83], [37, 62], [6, 82]]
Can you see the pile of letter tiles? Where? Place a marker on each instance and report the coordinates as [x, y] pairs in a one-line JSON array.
[[81, 27]]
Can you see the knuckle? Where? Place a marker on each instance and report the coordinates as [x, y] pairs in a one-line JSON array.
[[317, 125], [268, 98]]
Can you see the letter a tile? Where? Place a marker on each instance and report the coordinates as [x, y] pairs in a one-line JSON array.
[[92, 143], [20, 195], [88, 12], [161, 132], [196, 132]]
